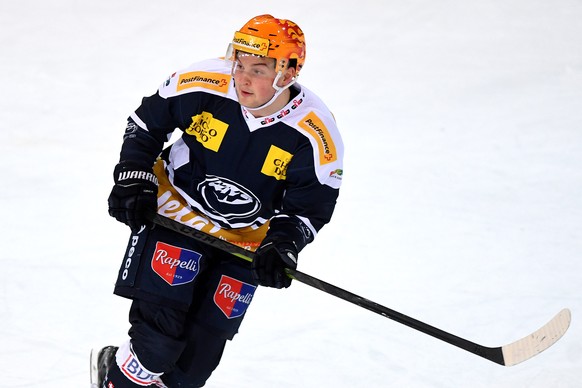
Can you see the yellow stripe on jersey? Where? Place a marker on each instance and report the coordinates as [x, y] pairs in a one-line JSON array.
[[172, 205]]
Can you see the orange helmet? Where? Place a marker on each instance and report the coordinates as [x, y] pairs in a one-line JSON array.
[[270, 37]]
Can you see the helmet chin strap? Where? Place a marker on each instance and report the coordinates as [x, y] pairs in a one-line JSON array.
[[278, 91]]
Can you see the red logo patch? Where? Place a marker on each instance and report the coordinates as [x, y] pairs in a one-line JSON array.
[[174, 264], [233, 296]]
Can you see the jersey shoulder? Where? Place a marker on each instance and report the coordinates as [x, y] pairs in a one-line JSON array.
[[211, 76], [315, 121]]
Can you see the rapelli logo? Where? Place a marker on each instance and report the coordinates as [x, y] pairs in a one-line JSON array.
[[175, 265], [213, 81], [276, 163], [208, 130], [233, 297]]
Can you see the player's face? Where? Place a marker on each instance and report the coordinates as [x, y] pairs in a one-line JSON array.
[[253, 77]]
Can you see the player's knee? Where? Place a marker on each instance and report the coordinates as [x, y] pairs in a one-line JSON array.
[[156, 334]]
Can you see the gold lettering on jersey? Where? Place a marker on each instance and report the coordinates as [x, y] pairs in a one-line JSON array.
[[276, 163], [203, 79], [208, 130], [313, 124]]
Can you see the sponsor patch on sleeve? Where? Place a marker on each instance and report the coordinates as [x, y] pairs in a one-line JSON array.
[[315, 127], [203, 79]]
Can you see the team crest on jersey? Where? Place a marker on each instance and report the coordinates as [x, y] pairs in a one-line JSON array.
[[276, 163], [175, 265], [313, 125], [207, 130], [227, 199], [233, 296]]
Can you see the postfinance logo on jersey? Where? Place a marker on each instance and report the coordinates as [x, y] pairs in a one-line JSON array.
[[313, 125], [276, 163], [203, 79], [208, 130]]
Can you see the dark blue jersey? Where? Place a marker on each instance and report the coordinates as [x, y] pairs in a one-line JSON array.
[[236, 169]]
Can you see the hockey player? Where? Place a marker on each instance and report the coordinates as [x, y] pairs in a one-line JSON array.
[[258, 163]]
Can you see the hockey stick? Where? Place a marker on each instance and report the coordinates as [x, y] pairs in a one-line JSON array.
[[507, 355]]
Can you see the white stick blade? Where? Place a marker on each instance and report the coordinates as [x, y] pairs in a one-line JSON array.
[[538, 341]]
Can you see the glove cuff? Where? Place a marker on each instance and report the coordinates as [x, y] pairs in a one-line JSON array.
[[289, 229], [286, 250]]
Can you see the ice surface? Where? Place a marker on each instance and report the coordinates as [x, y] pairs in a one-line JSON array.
[[461, 204]]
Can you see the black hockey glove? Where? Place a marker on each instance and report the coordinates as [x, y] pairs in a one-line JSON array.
[[269, 264], [134, 195]]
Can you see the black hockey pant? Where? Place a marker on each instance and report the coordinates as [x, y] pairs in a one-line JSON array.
[[188, 300], [200, 357]]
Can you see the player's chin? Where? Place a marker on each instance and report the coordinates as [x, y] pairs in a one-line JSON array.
[[247, 99]]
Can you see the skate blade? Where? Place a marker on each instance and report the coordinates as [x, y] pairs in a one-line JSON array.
[[94, 368]]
